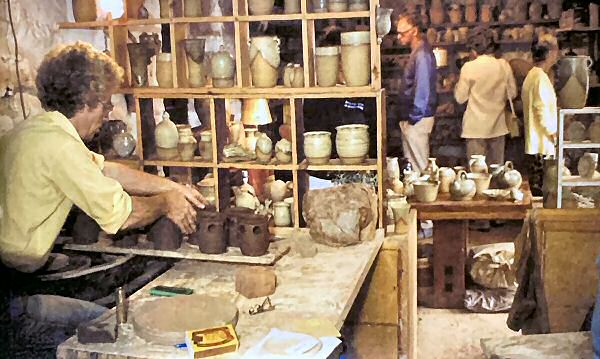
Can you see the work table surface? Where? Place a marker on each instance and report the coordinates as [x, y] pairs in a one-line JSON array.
[[323, 287]]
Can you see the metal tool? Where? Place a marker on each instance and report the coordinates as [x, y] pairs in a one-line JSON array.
[[261, 308], [121, 309]]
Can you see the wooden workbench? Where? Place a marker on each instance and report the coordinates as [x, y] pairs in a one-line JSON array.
[[323, 287], [540, 346], [451, 237]]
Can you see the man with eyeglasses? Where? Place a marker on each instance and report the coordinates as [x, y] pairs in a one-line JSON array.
[[418, 97]]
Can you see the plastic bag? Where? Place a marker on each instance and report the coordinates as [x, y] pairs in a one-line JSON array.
[[489, 300], [493, 265]]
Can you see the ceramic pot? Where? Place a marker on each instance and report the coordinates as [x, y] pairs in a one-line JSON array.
[[255, 235], [441, 57], [317, 147], [85, 10], [264, 60], [337, 5], [358, 5], [477, 164], [471, 13], [594, 131], [205, 145], [264, 148], [164, 70], [383, 21], [165, 235], [187, 142], [281, 214], [194, 50], [211, 236], [436, 12], [554, 8], [482, 181], [446, 176], [246, 200], [485, 13], [431, 170], [206, 187], [455, 14], [392, 168], [222, 68], [278, 190], [328, 65], [425, 191], [251, 138], [511, 178], [85, 229], [519, 11], [124, 144], [352, 143], [293, 76], [192, 8], [291, 6], [139, 59], [400, 209], [432, 35], [233, 215], [261, 7], [573, 81], [283, 151], [535, 11], [107, 133], [356, 58], [166, 7], [586, 167], [319, 6], [575, 132], [167, 138], [463, 188]]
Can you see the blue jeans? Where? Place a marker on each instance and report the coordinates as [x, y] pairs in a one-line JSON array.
[[596, 320]]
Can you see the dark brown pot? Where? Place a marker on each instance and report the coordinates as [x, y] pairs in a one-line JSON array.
[[233, 215], [211, 236], [254, 240], [165, 235], [85, 230]]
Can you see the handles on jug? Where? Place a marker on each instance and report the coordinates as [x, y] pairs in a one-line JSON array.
[[590, 62]]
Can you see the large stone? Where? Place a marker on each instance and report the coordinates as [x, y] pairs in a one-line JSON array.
[[341, 216], [254, 282]]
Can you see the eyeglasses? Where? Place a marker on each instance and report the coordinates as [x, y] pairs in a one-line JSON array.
[[403, 33]]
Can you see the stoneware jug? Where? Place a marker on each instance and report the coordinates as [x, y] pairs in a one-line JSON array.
[[264, 60], [462, 189], [572, 81], [85, 10], [281, 214], [477, 164], [511, 178], [446, 176], [222, 68], [167, 138]]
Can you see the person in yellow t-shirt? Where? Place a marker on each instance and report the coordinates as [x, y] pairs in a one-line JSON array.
[[45, 169]]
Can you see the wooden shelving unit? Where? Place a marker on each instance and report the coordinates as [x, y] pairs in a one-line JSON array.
[[240, 18]]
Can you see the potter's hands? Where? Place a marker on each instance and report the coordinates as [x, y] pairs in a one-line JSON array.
[[192, 195], [180, 210]]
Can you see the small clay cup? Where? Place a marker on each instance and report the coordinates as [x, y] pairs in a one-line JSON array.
[[254, 239], [85, 230], [211, 235], [165, 235], [233, 215]]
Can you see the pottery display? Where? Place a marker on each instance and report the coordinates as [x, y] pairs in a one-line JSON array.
[[594, 131], [254, 231], [108, 131], [124, 144], [192, 8], [206, 187], [261, 7], [431, 170], [233, 229], [210, 235], [187, 143], [425, 191], [586, 167], [319, 6], [573, 81], [356, 58], [264, 60], [436, 12], [441, 57], [166, 138], [535, 11], [477, 164], [358, 5], [291, 6], [482, 181], [471, 13], [485, 13], [278, 190], [446, 176], [511, 178], [352, 143], [281, 214], [264, 148], [222, 68], [85, 10], [139, 59], [283, 151], [337, 5], [575, 132], [392, 168], [166, 7], [205, 145], [400, 209], [383, 21], [327, 65], [496, 171], [554, 8], [455, 14], [463, 188], [165, 235], [317, 147], [293, 76], [250, 134], [194, 50]]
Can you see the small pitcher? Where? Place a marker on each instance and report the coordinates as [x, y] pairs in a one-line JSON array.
[[477, 164]]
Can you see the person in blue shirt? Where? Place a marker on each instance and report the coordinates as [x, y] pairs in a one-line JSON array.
[[418, 97]]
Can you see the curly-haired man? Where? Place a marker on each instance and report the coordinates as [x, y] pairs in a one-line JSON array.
[[45, 168]]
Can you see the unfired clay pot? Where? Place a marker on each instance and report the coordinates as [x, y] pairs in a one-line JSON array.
[[352, 143], [261, 7], [328, 65], [233, 215], [85, 10], [255, 235], [165, 235], [211, 235], [264, 60], [317, 147], [356, 58]]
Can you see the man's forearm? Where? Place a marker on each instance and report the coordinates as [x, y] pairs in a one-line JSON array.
[[145, 211], [136, 182]]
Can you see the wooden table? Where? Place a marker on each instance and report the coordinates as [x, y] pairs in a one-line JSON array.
[[540, 346], [451, 236], [323, 287]]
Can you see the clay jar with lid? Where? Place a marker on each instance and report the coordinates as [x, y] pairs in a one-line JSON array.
[[205, 145], [164, 70], [317, 147], [264, 60], [233, 215], [187, 143], [211, 233], [165, 235], [356, 58], [254, 240], [222, 68], [328, 65], [85, 10], [167, 139], [352, 143]]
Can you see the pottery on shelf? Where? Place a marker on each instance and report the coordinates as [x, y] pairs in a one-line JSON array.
[[187, 142], [139, 59], [251, 138], [436, 12], [535, 11], [166, 8], [278, 190], [194, 50], [319, 6], [166, 138], [281, 214], [586, 167], [455, 14], [400, 209], [283, 151], [124, 144], [164, 70], [246, 200], [392, 168], [573, 81], [463, 188], [291, 6], [206, 187], [446, 176], [575, 132], [383, 21], [471, 13], [192, 8], [485, 13], [554, 8], [477, 164], [356, 57], [222, 68], [511, 178], [211, 233], [205, 145], [254, 240], [264, 60], [293, 76], [425, 191], [352, 143], [328, 65], [317, 147], [264, 148], [594, 131], [85, 10], [165, 235], [337, 5], [482, 181], [261, 7], [233, 215], [431, 170]]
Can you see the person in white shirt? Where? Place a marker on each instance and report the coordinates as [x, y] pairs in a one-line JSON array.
[[485, 83]]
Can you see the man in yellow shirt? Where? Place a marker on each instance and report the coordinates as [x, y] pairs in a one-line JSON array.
[[45, 167]]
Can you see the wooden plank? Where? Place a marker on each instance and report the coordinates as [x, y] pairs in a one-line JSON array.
[[339, 91], [540, 346], [257, 166], [273, 17], [449, 251], [335, 164], [381, 151], [197, 162], [87, 25], [179, 33], [408, 293], [204, 19], [294, 136], [337, 15], [187, 251]]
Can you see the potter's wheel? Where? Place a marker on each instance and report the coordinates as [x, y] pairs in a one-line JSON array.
[[60, 263], [164, 321]]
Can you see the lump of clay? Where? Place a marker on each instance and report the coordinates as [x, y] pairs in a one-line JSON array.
[[341, 216], [254, 282], [85, 230], [165, 235]]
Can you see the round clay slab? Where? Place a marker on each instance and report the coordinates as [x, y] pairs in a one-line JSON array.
[[164, 321]]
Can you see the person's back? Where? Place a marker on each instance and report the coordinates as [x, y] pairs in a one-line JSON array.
[[539, 112]]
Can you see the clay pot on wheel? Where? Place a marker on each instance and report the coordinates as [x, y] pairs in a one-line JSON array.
[[85, 230], [84, 10], [254, 240], [233, 215], [165, 235], [211, 233]]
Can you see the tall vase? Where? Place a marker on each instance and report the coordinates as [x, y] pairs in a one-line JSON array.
[[192, 8], [573, 81], [264, 60], [139, 59], [194, 49], [84, 10]]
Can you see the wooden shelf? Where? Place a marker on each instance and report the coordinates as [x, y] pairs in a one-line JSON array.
[[337, 15], [257, 166], [336, 165], [130, 161], [495, 24], [197, 162], [273, 17], [580, 111], [254, 92], [580, 29], [581, 145], [91, 25], [578, 181], [191, 20], [143, 22]]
